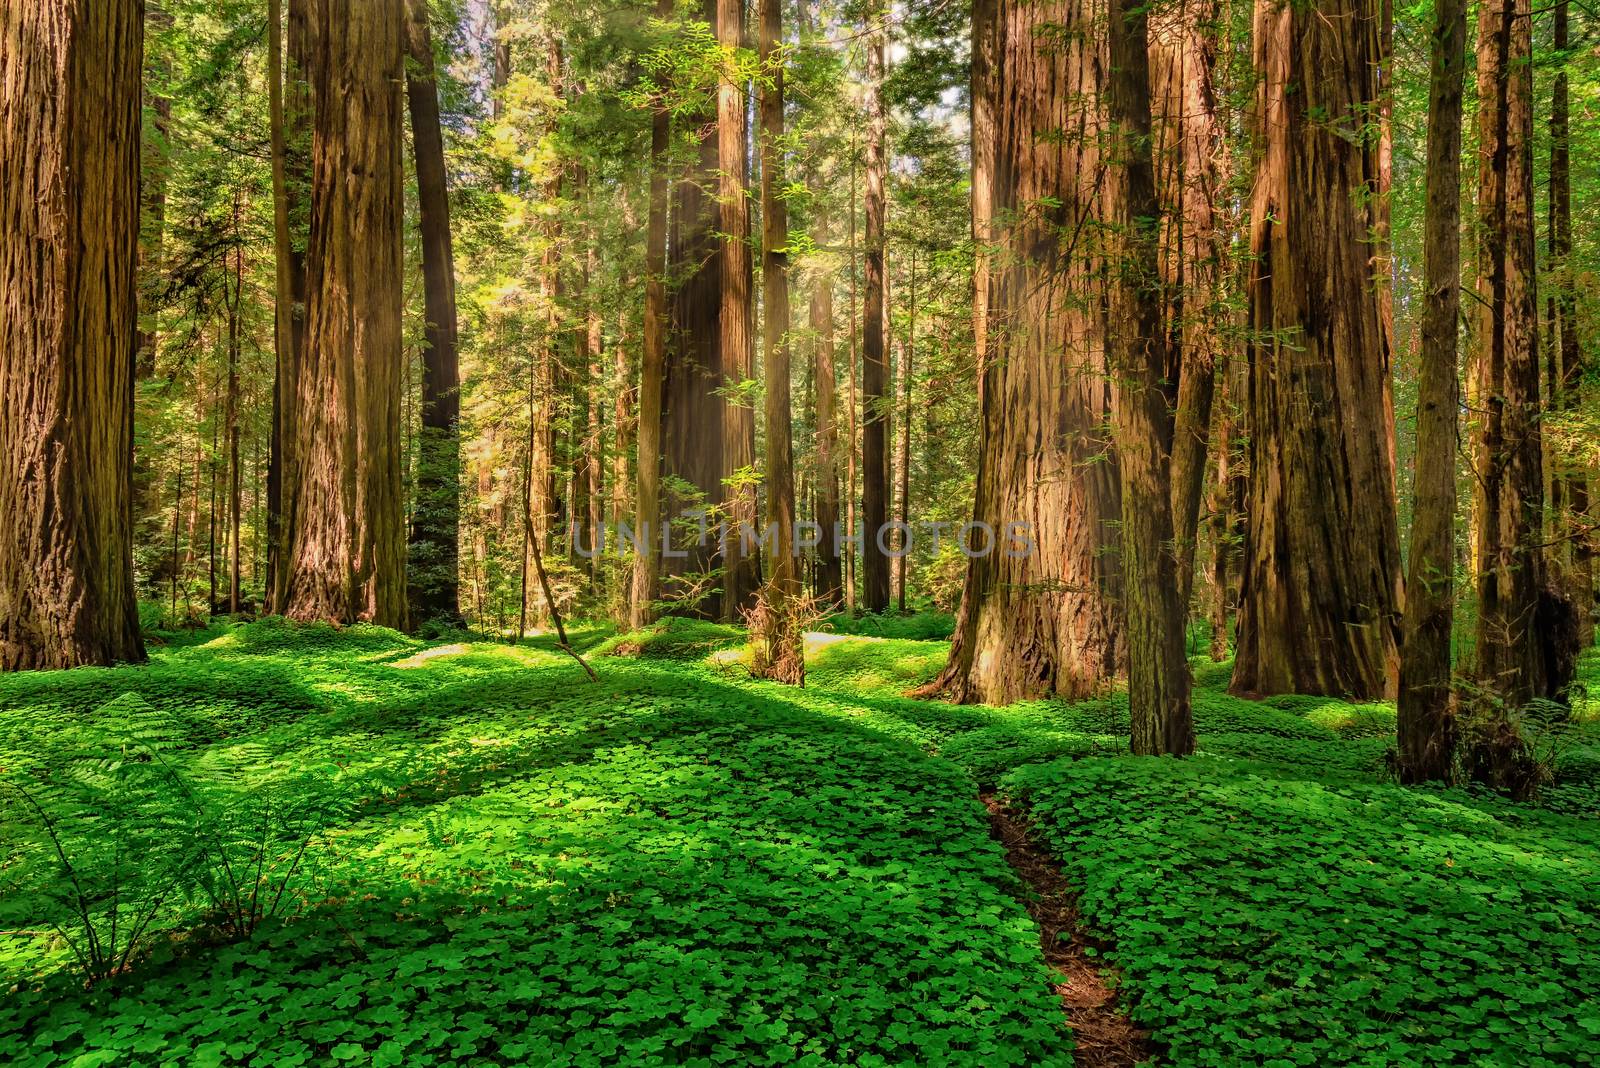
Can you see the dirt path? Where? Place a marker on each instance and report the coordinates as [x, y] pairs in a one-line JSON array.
[[1104, 1036]]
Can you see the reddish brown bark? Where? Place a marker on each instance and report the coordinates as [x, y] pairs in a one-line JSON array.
[[1320, 599], [652, 371], [1046, 620], [347, 542], [69, 231], [433, 563], [741, 561], [830, 565], [1424, 723], [874, 341], [1510, 484], [1144, 364], [779, 652]]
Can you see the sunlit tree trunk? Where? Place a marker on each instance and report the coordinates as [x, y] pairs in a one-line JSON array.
[[779, 652], [1425, 721], [652, 371], [741, 559], [69, 232], [1040, 617], [348, 539], [1320, 600], [874, 343], [433, 558], [830, 572], [694, 415]]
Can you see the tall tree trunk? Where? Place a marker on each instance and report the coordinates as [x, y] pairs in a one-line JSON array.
[[1570, 485], [694, 415], [1144, 365], [1510, 483], [154, 169], [1040, 617], [231, 407], [648, 520], [289, 108], [741, 560], [874, 347], [830, 571], [852, 415], [1425, 725], [1188, 143], [780, 654], [909, 355], [69, 233], [348, 539], [1320, 601], [433, 557]]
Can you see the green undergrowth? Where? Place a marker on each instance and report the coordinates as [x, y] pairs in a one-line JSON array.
[[680, 865], [667, 867]]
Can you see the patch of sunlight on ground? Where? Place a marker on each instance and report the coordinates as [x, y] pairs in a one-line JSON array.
[[418, 659]]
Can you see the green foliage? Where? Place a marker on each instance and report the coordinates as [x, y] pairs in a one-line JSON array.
[[1290, 921]]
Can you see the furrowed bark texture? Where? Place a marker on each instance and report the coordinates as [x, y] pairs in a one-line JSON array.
[[1144, 364], [1510, 483], [1188, 144], [1045, 621], [874, 343], [1425, 722], [741, 560], [693, 413], [1320, 599], [433, 563], [69, 231], [347, 546]]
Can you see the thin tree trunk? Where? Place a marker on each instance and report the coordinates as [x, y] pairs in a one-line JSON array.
[[1144, 365], [830, 573], [874, 348], [289, 117], [348, 538], [1425, 725], [648, 520], [909, 350], [231, 410], [1570, 485], [433, 564], [1320, 603], [852, 414], [780, 655]]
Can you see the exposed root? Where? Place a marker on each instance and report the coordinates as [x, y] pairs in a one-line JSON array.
[[1104, 1036]]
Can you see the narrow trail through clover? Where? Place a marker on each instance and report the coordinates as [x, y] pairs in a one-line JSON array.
[[1103, 1035]]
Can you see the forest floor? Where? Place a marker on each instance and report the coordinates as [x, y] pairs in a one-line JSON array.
[[506, 863]]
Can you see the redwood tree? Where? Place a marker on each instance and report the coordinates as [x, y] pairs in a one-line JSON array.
[[781, 656], [1509, 454], [69, 231], [741, 560], [1425, 723], [347, 542], [1320, 597], [1144, 364], [874, 343], [432, 567], [1040, 618]]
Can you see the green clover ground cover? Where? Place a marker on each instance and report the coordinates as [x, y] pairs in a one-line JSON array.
[[683, 866], [669, 867]]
